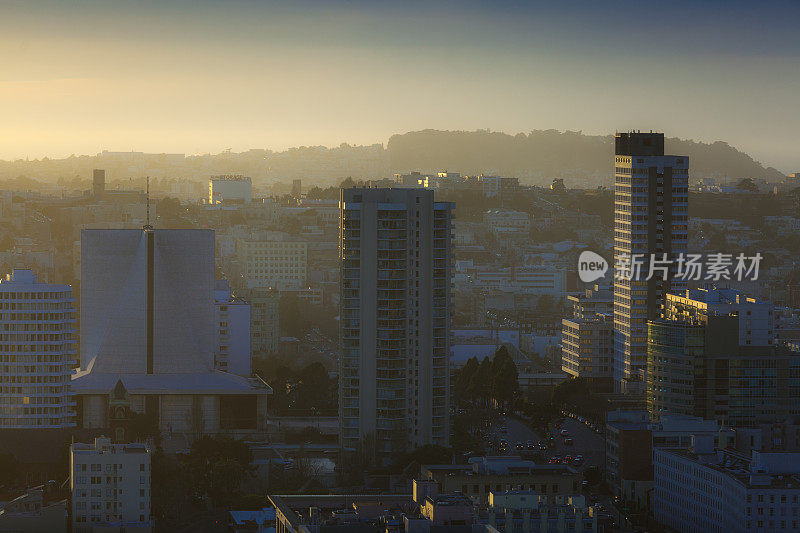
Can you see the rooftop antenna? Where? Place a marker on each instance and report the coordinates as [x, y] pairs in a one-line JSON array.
[[147, 201]]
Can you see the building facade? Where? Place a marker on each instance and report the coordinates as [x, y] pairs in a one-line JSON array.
[[264, 320], [232, 189], [704, 489], [232, 320], [395, 321], [650, 217], [713, 355], [37, 353], [147, 327], [273, 260], [110, 485], [587, 349]]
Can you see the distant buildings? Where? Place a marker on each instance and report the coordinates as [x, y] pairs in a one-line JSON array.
[[508, 223], [488, 186], [37, 353], [232, 320], [230, 190], [110, 485], [650, 217], [98, 183], [273, 260], [706, 489], [395, 302]]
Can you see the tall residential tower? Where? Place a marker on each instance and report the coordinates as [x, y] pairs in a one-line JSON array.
[[650, 219], [395, 251], [37, 353]]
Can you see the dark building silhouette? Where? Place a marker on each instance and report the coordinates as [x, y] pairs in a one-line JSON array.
[[98, 182]]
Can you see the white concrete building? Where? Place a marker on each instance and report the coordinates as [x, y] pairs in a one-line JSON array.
[[110, 485], [147, 327], [232, 319], [273, 260], [521, 280], [650, 217], [587, 348], [264, 320], [395, 303], [756, 317], [230, 189], [37, 353], [505, 222], [705, 490]]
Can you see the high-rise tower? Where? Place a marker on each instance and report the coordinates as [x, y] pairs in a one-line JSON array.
[[650, 220], [395, 301]]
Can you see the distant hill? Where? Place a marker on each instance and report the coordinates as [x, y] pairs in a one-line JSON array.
[[535, 157], [550, 153]]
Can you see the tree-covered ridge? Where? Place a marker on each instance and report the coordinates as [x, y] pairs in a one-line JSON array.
[[553, 153]]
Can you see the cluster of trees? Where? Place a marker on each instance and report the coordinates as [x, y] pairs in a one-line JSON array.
[[495, 378], [577, 396], [299, 316], [212, 474], [547, 151], [307, 389]]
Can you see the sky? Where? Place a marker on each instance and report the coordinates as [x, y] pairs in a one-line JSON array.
[[203, 76]]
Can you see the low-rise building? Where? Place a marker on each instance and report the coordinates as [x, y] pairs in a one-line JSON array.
[[31, 512], [487, 474], [505, 222], [705, 489], [527, 511], [629, 443], [110, 485]]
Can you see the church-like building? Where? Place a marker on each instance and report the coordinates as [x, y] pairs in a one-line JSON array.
[[147, 339]]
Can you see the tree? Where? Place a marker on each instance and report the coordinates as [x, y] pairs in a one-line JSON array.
[[169, 208], [314, 388], [480, 384], [558, 185], [225, 478], [570, 391], [747, 184], [505, 378], [10, 469], [6, 242], [464, 381]]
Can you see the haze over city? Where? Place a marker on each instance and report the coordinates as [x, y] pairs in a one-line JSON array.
[[399, 267], [198, 77]]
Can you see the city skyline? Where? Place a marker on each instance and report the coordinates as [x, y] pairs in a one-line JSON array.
[[201, 78]]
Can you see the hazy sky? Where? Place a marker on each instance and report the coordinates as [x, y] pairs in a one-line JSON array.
[[201, 76]]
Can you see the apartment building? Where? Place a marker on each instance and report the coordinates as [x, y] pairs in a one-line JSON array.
[[110, 485], [37, 353], [273, 260], [232, 323], [708, 490], [650, 217], [395, 305]]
